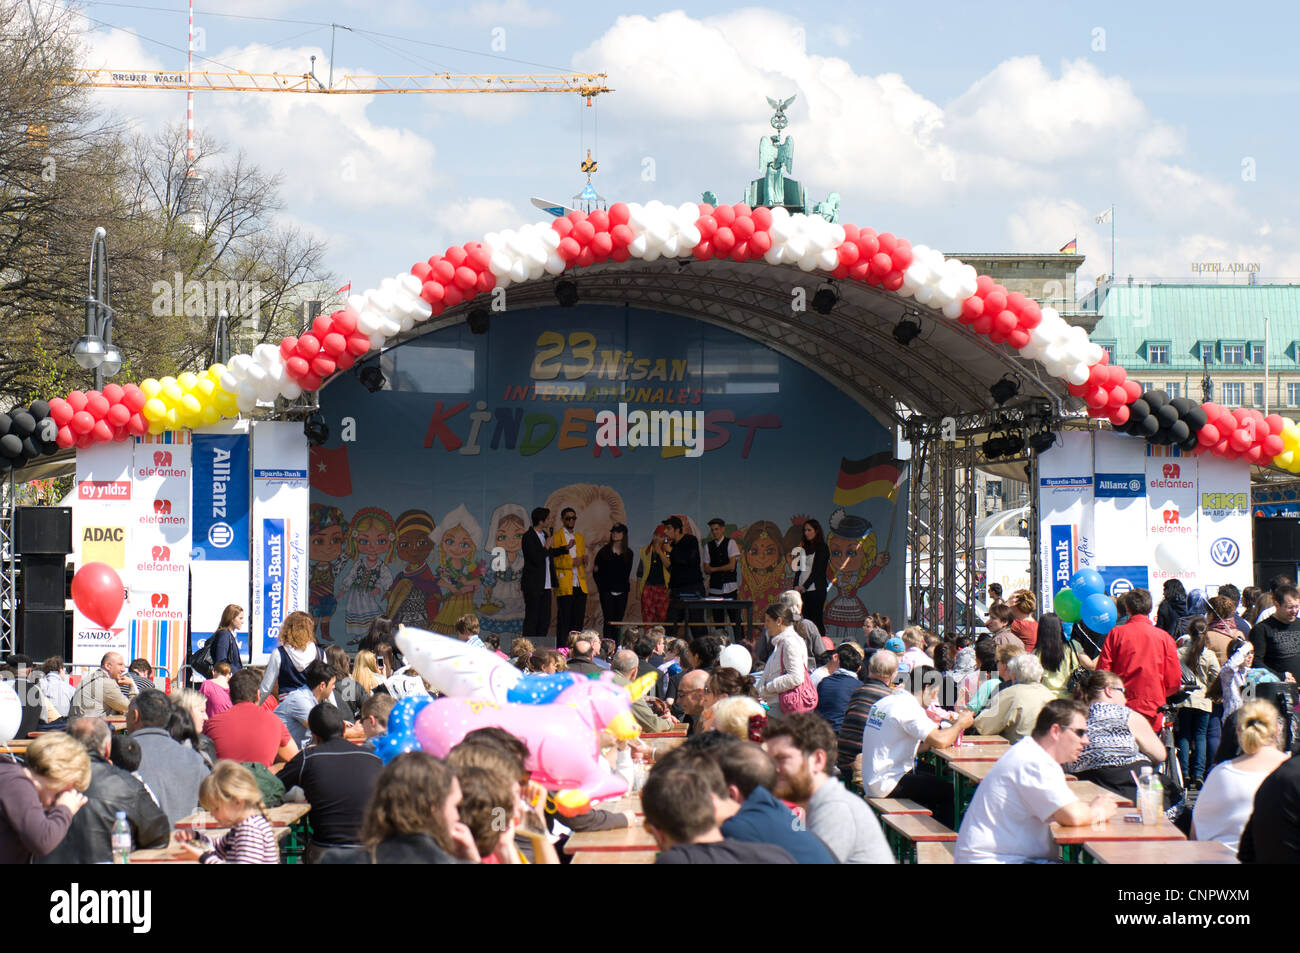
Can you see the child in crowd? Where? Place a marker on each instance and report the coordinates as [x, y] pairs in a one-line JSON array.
[[230, 794]]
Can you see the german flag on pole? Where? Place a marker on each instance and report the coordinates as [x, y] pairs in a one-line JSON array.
[[876, 477]]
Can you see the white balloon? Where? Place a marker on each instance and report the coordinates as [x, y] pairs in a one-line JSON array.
[[535, 270], [268, 355], [690, 236], [367, 322], [377, 340], [638, 246], [410, 284], [652, 254], [780, 230], [773, 255], [500, 264], [406, 323], [1094, 353], [797, 248], [357, 302], [424, 310], [256, 374], [808, 262], [519, 269], [837, 235], [952, 309], [246, 403], [388, 286], [389, 326], [267, 392], [290, 390], [671, 247], [229, 382], [247, 389], [828, 260], [549, 237], [1078, 374], [238, 365], [736, 657], [554, 265], [948, 289], [925, 294]]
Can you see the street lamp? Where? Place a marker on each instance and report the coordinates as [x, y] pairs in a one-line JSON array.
[[94, 350], [221, 340]]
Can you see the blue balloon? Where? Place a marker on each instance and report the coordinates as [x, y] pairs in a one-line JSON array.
[[1099, 613], [401, 728], [1087, 582]]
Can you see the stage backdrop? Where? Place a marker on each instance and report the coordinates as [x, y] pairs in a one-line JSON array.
[[1140, 514], [422, 481]]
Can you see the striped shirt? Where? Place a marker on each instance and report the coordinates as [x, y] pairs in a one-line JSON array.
[[251, 841]]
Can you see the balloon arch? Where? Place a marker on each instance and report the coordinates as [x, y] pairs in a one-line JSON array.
[[335, 342]]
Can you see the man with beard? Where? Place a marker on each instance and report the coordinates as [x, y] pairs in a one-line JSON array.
[[803, 748]]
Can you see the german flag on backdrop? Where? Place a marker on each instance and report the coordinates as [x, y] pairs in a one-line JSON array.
[[876, 477]]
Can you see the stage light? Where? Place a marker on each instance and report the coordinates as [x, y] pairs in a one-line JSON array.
[[1013, 443], [993, 448], [566, 292], [1003, 390], [1043, 440], [315, 429], [372, 378], [906, 331], [825, 300], [478, 321]]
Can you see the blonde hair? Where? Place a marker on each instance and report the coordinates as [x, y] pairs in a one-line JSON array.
[[191, 701], [298, 630], [1023, 601], [230, 781], [1009, 651], [731, 715], [60, 759], [1257, 726], [365, 671], [914, 636]]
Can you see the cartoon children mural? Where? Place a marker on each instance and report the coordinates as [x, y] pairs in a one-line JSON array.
[[458, 538], [854, 563], [326, 530], [366, 577], [762, 565], [501, 599], [414, 598]]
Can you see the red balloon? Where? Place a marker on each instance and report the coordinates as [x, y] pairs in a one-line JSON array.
[[345, 361], [137, 426], [760, 244], [872, 278], [1241, 414], [98, 592], [995, 301], [622, 235], [840, 272], [868, 244], [97, 404], [1031, 315], [603, 244], [322, 366], [322, 325], [1078, 390], [1098, 375], [724, 214], [120, 434], [1120, 417], [997, 336], [1272, 445], [562, 226], [743, 227], [453, 296], [599, 220], [763, 220], [456, 254], [133, 397], [740, 252], [60, 411], [113, 393], [480, 257], [1238, 440], [742, 210], [334, 344], [443, 272], [432, 291], [288, 347], [1096, 398], [345, 321], [983, 324], [308, 345], [486, 282], [586, 258], [971, 309], [65, 438], [102, 432], [1118, 396], [888, 242], [359, 344], [861, 271], [1018, 338], [984, 285], [1275, 424], [422, 270], [82, 422], [703, 251], [85, 442], [893, 281], [707, 225], [118, 415], [1208, 435], [619, 214], [584, 232], [620, 254], [902, 257], [1015, 301], [724, 240], [881, 263], [569, 248], [1254, 454], [298, 367], [77, 401], [848, 253], [1004, 322], [465, 278]]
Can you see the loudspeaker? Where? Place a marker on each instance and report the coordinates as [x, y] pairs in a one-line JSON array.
[[45, 632], [1265, 572], [1277, 539], [43, 529], [44, 581]]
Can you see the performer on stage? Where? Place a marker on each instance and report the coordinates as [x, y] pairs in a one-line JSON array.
[[538, 579], [686, 581], [724, 555], [652, 579], [815, 577], [612, 567], [570, 551]]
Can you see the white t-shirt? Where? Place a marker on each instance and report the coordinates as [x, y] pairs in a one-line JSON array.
[[1223, 807], [896, 726], [1007, 822]]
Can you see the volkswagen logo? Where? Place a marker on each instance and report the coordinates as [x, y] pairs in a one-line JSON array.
[[221, 535], [1224, 551], [1119, 587]]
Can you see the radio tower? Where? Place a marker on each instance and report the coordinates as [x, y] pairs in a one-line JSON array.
[[191, 191]]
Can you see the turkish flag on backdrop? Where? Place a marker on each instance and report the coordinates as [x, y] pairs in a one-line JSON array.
[[330, 472]]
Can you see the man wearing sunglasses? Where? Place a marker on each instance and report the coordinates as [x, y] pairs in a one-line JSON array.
[[1008, 821]]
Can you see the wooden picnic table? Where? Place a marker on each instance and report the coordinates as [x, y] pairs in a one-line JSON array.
[[1071, 839], [635, 837], [676, 731], [615, 857], [174, 853], [630, 802], [1160, 852], [283, 815], [984, 752], [968, 774]]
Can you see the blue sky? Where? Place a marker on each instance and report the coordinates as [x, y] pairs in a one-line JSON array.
[[966, 127]]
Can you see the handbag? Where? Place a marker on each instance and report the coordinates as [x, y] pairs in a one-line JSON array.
[[801, 698], [1078, 675], [201, 659]]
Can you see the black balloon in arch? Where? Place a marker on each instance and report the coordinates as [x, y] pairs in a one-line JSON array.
[[1164, 421], [25, 434]]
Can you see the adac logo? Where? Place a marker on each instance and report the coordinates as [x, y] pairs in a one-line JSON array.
[[1171, 472], [163, 458], [162, 554], [159, 601], [1171, 516], [162, 507], [1224, 551]]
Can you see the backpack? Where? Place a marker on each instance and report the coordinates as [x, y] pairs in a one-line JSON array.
[[272, 788]]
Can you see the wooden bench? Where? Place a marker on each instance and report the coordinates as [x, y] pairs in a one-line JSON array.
[[906, 831], [892, 805], [943, 852], [615, 857]]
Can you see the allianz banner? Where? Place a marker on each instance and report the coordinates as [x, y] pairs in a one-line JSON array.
[[222, 499]]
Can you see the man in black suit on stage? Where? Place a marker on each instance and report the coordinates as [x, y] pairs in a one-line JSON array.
[[539, 578], [685, 580]]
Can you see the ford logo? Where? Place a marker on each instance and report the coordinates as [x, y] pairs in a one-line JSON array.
[[1224, 551]]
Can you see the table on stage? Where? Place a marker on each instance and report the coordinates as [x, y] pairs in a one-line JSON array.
[[1160, 852], [706, 605], [1072, 839]]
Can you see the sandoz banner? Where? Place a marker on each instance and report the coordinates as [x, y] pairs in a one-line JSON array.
[[222, 534], [101, 518], [281, 498]]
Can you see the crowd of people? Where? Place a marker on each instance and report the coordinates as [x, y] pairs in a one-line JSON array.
[[787, 736]]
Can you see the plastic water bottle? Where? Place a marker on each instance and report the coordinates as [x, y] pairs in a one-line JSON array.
[[1151, 796], [121, 839]]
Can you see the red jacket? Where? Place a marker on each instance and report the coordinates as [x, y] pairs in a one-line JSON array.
[[1147, 660]]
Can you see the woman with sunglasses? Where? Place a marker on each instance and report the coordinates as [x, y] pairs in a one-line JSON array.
[[1120, 741]]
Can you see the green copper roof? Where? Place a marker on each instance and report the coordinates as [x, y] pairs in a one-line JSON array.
[[1184, 317]]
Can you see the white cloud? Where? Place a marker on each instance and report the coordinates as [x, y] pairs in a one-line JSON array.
[[510, 13], [470, 219]]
